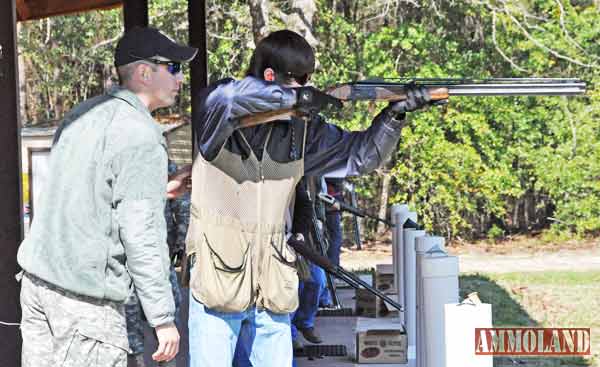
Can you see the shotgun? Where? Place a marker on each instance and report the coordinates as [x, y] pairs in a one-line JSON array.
[[330, 200], [440, 89], [351, 279]]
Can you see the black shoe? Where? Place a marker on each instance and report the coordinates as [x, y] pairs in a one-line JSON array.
[[311, 335]]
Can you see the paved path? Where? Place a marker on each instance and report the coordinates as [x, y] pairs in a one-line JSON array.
[[562, 260], [478, 260]]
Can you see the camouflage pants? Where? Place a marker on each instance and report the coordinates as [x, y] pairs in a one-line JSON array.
[[61, 329]]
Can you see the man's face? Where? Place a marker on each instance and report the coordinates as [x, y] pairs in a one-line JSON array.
[[164, 86]]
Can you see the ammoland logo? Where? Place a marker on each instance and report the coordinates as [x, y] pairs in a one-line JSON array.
[[533, 341]]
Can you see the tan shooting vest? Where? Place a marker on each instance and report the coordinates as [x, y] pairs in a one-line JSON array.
[[237, 232]]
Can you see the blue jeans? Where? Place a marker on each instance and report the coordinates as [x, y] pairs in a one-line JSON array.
[[213, 335], [334, 228], [309, 293], [241, 357]]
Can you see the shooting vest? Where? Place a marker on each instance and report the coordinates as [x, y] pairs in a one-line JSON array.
[[237, 232]]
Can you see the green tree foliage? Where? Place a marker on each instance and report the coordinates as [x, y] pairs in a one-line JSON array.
[[483, 165], [66, 59], [477, 167]]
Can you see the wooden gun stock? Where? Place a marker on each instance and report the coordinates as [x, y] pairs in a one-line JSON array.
[[264, 117]]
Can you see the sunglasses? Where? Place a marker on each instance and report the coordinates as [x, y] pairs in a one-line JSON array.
[[173, 67], [300, 79]]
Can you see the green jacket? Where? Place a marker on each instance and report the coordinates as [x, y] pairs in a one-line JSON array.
[[100, 220]]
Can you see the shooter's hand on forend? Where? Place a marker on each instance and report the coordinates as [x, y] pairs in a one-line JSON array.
[[417, 97], [311, 100]]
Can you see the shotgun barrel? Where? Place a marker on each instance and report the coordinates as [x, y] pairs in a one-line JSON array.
[[394, 89]]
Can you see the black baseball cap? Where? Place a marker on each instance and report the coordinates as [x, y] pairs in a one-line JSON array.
[[146, 43]]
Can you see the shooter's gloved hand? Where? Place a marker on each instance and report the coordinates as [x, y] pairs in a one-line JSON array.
[[310, 100], [417, 97]]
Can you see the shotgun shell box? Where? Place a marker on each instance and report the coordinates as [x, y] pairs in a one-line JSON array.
[[384, 278], [380, 341]]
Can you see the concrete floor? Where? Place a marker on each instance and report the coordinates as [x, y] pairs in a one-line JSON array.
[[337, 330]]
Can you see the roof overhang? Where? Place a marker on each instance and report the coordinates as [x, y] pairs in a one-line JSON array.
[[37, 9]]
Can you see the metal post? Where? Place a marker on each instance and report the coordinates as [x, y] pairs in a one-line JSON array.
[[135, 13], [398, 217], [199, 65], [410, 237], [11, 214]]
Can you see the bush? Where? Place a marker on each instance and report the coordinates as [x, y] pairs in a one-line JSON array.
[[495, 233]]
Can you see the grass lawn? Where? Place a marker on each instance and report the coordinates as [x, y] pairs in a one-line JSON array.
[[545, 298]]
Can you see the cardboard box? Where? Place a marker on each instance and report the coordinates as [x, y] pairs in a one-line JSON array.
[[380, 341], [366, 304], [384, 309], [384, 268], [369, 305], [384, 278], [368, 278]]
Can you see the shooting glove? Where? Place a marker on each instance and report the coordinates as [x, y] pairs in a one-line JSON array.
[[417, 97], [310, 100]]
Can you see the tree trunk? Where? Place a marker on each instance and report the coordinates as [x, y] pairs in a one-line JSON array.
[[259, 10], [515, 220], [301, 19], [22, 84]]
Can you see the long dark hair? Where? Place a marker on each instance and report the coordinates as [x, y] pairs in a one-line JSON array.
[[285, 52]]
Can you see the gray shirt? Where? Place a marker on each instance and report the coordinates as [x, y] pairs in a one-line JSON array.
[[100, 222]]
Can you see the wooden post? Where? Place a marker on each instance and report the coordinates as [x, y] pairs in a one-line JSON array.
[[135, 13], [11, 212], [199, 65]]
